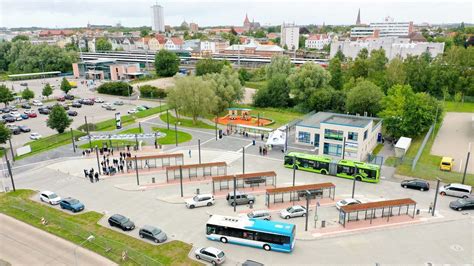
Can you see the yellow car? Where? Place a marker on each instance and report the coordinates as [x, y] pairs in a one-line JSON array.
[[446, 164], [73, 84]]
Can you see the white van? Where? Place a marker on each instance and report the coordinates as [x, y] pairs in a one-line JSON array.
[[456, 190]]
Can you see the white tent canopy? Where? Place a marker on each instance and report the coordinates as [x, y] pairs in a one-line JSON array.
[[277, 137]]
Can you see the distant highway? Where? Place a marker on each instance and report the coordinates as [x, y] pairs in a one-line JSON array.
[[243, 60]]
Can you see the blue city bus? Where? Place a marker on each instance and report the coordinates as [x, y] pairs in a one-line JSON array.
[[268, 235]]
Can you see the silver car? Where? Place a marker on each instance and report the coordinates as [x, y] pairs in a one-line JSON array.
[[210, 254], [153, 233], [240, 198]]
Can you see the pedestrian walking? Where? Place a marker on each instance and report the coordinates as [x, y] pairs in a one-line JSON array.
[[91, 177], [189, 153], [260, 150], [96, 177], [83, 153], [85, 173]]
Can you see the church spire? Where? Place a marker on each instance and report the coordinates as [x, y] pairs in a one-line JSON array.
[[358, 18]]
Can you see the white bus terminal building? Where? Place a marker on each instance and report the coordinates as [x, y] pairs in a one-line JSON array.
[[328, 133]]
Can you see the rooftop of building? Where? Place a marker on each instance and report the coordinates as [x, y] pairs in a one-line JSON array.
[[317, 119]]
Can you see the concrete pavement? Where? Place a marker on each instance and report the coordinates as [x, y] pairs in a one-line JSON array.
[[22, 244]]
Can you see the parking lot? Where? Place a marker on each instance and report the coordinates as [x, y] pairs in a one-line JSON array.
[[95, 113], [428, 240]]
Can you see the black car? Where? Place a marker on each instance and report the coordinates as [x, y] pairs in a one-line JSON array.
[[44, 111], [6, 110], [69, 97], [71, 113], [87, 102], [6, 115], [15, 130], [26, 106], [76, 105], [462, 204], [24, 129], [121, 222], [10, 119], [152, 233], [416, 184]]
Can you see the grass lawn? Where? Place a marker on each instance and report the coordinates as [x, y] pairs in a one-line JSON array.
[[465, 107], [256, 84], [280, 116], [50, 142], [377, 149], [145, 78], [428, 164], [170, 137], [185, 122], [109, 125], [134, 130], [107, 242]]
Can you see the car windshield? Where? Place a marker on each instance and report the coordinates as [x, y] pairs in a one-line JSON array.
[[196, 198], [462, 201], [53, 196], [73, 201], [290, 209], [220, 255], [250, 215], [155, 231]]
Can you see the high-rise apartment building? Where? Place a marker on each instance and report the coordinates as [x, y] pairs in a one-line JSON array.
[[387, 28], [158, 21], [290, 36]]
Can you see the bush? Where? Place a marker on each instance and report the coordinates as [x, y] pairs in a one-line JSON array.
[[149, 91], [92, 127], [119, 88]]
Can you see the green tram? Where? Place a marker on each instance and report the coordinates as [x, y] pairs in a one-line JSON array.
[[325, 165]]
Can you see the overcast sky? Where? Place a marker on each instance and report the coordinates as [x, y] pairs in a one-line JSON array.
[[77, 13]]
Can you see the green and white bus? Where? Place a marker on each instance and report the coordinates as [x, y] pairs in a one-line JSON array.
[[325, 165]]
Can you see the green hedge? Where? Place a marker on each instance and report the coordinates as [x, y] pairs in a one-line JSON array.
[[119, 88], [149, 91]]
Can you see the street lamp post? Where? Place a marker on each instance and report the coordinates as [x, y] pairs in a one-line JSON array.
[[176, 133], [88, 133], [436, 196], [89, 239], [467, 163], [353, 186], [73, 142], [11, 149], [199, 150]]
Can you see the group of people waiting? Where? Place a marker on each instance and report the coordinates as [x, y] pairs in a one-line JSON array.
[[91, 174]]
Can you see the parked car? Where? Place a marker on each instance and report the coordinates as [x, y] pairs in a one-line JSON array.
[[61, 99], [35, 136], [17, 115], [69, 97], [13, 108], [259, 215], [104, 105], [462, 204], [252, 263], [49, 107], [240, 198], [50, 197], [98, 100], [44, 111], [24, 84], [24, 129], [132, 111], [76, 105], [140, 108], [110, 108], [37, 103], [346, 202], [26, 106], [121, 222], [9, 119], [15, 130], [416, 184], [210, 254], [32, 115], [71, 204], [293, 211], [152, 233], [6, 110], [446, 164], [24, 116], [118, 103], [87, 102], [200, 200], [456, 190], [71, 113], [63, 106]]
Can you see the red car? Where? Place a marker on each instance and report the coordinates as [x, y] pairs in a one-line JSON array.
[[31, 115], [61, 99]]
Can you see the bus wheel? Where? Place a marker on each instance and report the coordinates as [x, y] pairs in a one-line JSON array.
[[223, 240], [358, 178], [267, 247], [324, 172]]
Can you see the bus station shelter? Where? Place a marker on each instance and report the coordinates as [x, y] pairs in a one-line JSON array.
[[372, 210], [155, 161], [244, 180], [251, 130], [196, 170], [297, 193]]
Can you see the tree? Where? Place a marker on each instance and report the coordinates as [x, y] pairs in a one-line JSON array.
[[192, 96], [226, 86], [394, 73], [339, 54], [407, 113], [119, 88], [335, 68], [307, 80], [149, 91], [5, 133], [65, 85], [4, 49], [47, 90], [20, 38], [144, 32], [209, 65], [364, 97], [102, 44], [376, 67], [359, 68], [244, 75], [6, 95], [327, 99], [166, 63], [58, 119], [275, 94], [417, 72], [279, 64], [27, 94], [302, 41]]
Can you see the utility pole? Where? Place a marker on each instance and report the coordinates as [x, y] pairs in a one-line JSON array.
[[294, 169], [181, 179], [436, 196], [353, 186], [343, 147], [199, 150], [235, 193], [11, 174], [216, 126], [243, 160], [73, 142], [140, 127], [467, 163], [88, 133], [97, 155], [307, 210], [176, 133], [136, 142], [11, 148], [136, 171]]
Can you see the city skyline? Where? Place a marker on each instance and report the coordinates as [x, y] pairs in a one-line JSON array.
[[78, 13]]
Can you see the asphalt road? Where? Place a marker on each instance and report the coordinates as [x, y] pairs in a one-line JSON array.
[[22, 244]]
